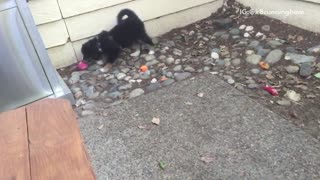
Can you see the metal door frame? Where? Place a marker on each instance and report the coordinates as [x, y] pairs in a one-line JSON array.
[[60, 89]]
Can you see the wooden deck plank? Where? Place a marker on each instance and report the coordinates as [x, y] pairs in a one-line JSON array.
[[14, 154], [55, 143]]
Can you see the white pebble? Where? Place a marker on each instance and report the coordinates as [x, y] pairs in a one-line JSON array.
[[154, 80], [249, 52], [135, 54], [287, 57], [246, 35], [139, 80], [127, 78], [120, 76], [215, 55], [249, 28], [80, 102], [231, 81], [132, 81], [316, 50], [103, 70], [151, 52], [259, 34], [214, 73], [242, 27], [100, 62]]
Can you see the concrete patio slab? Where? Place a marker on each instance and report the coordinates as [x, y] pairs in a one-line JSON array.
[[241, 138]]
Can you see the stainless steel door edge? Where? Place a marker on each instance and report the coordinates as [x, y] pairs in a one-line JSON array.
[[7, 4], [60, 89], [21, 75]]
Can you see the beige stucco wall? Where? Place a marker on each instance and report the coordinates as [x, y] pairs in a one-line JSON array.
[[310, 20], [65, 24]]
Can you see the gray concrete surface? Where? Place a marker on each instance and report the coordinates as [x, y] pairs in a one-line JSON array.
[[245, 140]]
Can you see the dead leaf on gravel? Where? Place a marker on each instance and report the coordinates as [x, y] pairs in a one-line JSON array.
[[311, 96], [156, 121], [293, 115], [291, 37], [269, 76], [200, 95], [189, 103], [214, 73], [293, 96], [100, 127], [207, 159], [300, 38]]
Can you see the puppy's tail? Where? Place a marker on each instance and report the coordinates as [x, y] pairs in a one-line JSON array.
[[127, 12]]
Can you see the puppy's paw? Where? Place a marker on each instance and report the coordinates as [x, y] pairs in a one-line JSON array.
[[135, 54]]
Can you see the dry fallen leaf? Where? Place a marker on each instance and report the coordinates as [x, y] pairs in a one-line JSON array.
[[269, 76], [311, 96], [156, 121], [188, 103], [293, 96], [293, 115], [207, 159], [300, 38], [214, 73], [100, 127]]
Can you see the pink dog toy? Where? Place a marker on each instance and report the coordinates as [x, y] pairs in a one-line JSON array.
[[271, 90], [82, 65]]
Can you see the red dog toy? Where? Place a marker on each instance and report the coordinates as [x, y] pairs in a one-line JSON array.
[[82, 65], [271, 90]]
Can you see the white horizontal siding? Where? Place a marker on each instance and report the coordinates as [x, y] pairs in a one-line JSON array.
[[62, 56], [72, 7], [83, 19], [309, 20], [54, 33], [159, 26], [44, 11], [313, 1], [90, 24]]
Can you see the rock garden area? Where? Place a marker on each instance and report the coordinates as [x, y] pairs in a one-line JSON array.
[[248, 52]]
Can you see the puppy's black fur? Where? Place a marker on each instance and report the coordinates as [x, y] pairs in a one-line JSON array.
[[108, 44], [101, 47]]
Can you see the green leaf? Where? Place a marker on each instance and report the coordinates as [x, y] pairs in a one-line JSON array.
[[162, 165], [317, 75]]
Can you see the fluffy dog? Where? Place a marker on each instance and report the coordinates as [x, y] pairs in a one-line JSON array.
[[107, 45]]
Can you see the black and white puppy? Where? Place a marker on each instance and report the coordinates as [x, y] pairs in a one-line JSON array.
[[107, 45]]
